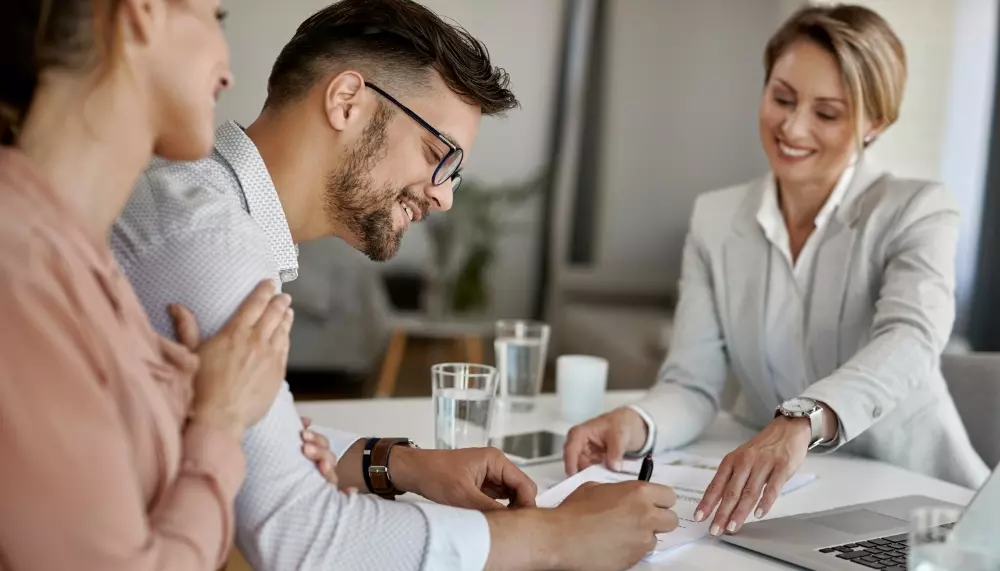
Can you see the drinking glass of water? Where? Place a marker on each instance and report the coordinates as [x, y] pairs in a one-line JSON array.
[[932, 548], [520, 348], [463, 404]]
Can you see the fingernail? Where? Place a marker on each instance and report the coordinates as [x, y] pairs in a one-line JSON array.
[[616, 465], [698, 516], [731, 527], [759, 513], [310, 449], [714, 530]]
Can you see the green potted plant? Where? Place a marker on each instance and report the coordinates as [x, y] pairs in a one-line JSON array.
[[465, 240]]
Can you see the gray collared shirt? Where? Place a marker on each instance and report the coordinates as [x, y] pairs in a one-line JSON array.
[[203, 234]]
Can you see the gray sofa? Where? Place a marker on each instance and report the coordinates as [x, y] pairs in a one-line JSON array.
[[974, 382]]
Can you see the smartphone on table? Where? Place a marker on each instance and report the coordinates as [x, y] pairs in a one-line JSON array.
[[537, 447]]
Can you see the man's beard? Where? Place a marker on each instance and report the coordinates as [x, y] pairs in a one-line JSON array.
[[353, 202]]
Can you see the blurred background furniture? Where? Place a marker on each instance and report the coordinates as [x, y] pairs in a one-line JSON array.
[[342, 321], [467, 337], [974, 382], [633, 338]]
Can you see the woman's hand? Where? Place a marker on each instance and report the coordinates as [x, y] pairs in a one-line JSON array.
[[604, 439], [762, 464], [316, 447], [242, 366]]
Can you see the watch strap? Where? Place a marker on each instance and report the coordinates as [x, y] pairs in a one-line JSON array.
[[816, 426], [647, 446], [366, 462], [815, 417], [376, 465]]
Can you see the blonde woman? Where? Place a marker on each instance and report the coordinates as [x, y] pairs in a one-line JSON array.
[[826, 288], [120, 450]]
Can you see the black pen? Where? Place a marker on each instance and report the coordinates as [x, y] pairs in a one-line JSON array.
[[646, 472]]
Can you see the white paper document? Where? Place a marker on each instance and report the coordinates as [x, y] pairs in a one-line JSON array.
[[687, 474]]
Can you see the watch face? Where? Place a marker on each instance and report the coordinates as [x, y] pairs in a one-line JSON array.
[[799, 405]]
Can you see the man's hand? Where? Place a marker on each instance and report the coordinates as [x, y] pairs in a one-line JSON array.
[[762, 464], [316, 447], [599, 527], [470, 478], [604, 439]]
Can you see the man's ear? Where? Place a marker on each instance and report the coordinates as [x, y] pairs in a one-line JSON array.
[[343, 99]]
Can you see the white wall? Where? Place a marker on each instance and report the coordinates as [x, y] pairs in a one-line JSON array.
[[523, 36], [914, 146]]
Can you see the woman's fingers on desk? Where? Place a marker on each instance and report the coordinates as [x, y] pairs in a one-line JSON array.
[[759, 467], [779, 477], [723, 492], [764, 479]]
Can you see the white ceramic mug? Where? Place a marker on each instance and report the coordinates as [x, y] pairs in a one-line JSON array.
[[581, 381]]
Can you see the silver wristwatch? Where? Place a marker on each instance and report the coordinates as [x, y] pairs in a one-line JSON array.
[[801, 407]]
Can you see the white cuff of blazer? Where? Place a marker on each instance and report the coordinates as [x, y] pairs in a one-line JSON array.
[[647, 446]]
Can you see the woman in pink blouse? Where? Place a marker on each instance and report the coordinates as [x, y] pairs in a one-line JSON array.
[[119, 450]]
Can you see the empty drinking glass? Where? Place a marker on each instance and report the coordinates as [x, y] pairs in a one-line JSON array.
[[463, 404], [520, 347]]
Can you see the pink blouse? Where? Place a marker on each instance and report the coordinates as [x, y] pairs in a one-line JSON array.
[[99, 469]]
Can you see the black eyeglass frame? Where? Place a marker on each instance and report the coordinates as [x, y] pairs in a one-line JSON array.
[[455, 176]]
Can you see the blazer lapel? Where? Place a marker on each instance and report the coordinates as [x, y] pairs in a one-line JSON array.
[[831, 276], [746, 264]]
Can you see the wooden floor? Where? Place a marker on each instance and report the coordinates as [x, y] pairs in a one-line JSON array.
[[236, 562]]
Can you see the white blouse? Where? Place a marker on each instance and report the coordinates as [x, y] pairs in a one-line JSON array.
[[789, 287]]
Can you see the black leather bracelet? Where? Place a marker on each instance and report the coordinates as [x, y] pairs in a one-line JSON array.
[[366, 462]]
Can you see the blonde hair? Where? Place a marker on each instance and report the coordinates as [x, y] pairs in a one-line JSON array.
[[871, 58]]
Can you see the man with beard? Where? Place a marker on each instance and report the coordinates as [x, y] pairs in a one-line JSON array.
[[370, 111]]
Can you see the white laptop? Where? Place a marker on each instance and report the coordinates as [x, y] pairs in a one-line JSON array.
[[864, 536]]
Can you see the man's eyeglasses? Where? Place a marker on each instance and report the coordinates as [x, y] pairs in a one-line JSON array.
[[448, 168]]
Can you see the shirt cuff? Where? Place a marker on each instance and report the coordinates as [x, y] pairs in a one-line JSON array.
[[647, 446], [831, 444], [459, 538]]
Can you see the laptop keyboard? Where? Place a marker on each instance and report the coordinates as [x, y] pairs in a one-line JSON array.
[[886, 553]]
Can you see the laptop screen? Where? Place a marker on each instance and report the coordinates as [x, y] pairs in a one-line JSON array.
[[980, 525]]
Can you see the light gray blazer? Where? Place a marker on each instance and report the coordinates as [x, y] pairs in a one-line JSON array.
[[878, 317]]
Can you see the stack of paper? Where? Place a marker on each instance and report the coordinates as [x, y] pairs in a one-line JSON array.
[[687, 474]]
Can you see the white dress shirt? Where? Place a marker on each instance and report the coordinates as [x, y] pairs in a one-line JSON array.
[[203, 234], [789, 283]]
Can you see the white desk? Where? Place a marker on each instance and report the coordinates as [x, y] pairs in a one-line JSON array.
[[843, 480]]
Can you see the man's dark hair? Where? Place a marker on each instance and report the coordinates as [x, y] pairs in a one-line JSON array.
[[394, 44]]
